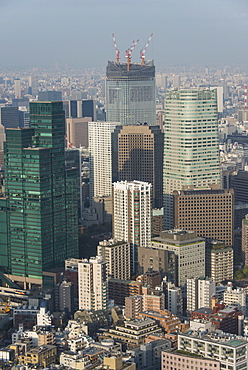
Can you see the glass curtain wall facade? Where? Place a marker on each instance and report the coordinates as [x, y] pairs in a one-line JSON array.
[[42, 211], [191, 145], [130, 94]]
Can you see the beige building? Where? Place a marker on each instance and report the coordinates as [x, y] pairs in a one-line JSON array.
[[219, 262], [77, 131], [41, 356], [173, 359], [209, 212], [116, 363], [190, 251], [117, 256], [92, 284]]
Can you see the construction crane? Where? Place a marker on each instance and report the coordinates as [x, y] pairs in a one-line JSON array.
[[117, 51], [129, 53], [142, 51]]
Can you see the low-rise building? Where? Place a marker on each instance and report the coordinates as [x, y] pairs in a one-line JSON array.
[[236, 297], [174, 359], [40, 356], [229, 350], [166, 320], [134, 332]]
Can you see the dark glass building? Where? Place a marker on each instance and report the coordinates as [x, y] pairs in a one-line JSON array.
[[41, 197]]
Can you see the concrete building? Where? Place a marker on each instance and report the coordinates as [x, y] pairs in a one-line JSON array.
[[200, 292], [148, 356], [140, 157], [120, 289], [17, 88], [191, 145], [219, 262], [174, 299], [133, 306], [209, 212], [134, 332], [100, 159], [245, 240], [160, 260], [117, 256], [176, 360], [236, 297], [132, 215], [166, 320], [64, 292], [77, 131], [130, 93], [189, 249], [92, 284], [228, 350]]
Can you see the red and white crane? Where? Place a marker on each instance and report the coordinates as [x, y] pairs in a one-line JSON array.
[[117, 51], [129, 53], [142, 52]]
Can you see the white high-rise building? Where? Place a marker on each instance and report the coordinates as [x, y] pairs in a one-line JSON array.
[[132, 215], [17, 88], [206, 290], [92, 284], [236, 297], [191, 143], [100, 159]]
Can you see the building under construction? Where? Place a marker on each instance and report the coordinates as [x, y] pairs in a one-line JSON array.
[[130, 89]]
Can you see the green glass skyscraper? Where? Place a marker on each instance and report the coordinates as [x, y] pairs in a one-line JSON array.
[[191, 145], [41, 196]]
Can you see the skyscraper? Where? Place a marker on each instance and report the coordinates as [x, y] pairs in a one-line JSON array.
[[130, 93], [132, 215], [140, 157], [41, 204], [100, 148], [191, 146]]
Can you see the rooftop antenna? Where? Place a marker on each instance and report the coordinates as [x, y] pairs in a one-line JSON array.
[[117, 51], [142, 51], [129, 53]]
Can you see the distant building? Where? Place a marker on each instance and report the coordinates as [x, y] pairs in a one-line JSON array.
[[77, 132], [49, 96], [245, 240]]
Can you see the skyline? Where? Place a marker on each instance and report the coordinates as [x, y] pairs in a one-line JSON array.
[[80, 32]]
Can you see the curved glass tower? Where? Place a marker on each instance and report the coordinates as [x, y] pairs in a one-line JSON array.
[[191, 145]]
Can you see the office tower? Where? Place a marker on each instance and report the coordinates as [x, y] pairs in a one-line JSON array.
[[17, 88], [73, 108], [33, 83], [132, 215], [176, 81], [50, 96], [140, 157], [41, 203], [117, 256], [189, 249], [209, 212], [219, 262], [92, 284], [77, 132], [73, 161], [130, 93], [100, 161], [245, 240], [10, 117], [191, 145], [161, 81], [89, 109]]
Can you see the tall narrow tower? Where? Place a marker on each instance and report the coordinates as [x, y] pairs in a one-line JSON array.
[[191, 146], [130, 93]]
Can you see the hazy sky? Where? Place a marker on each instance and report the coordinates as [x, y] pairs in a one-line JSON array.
[[78, 32]]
